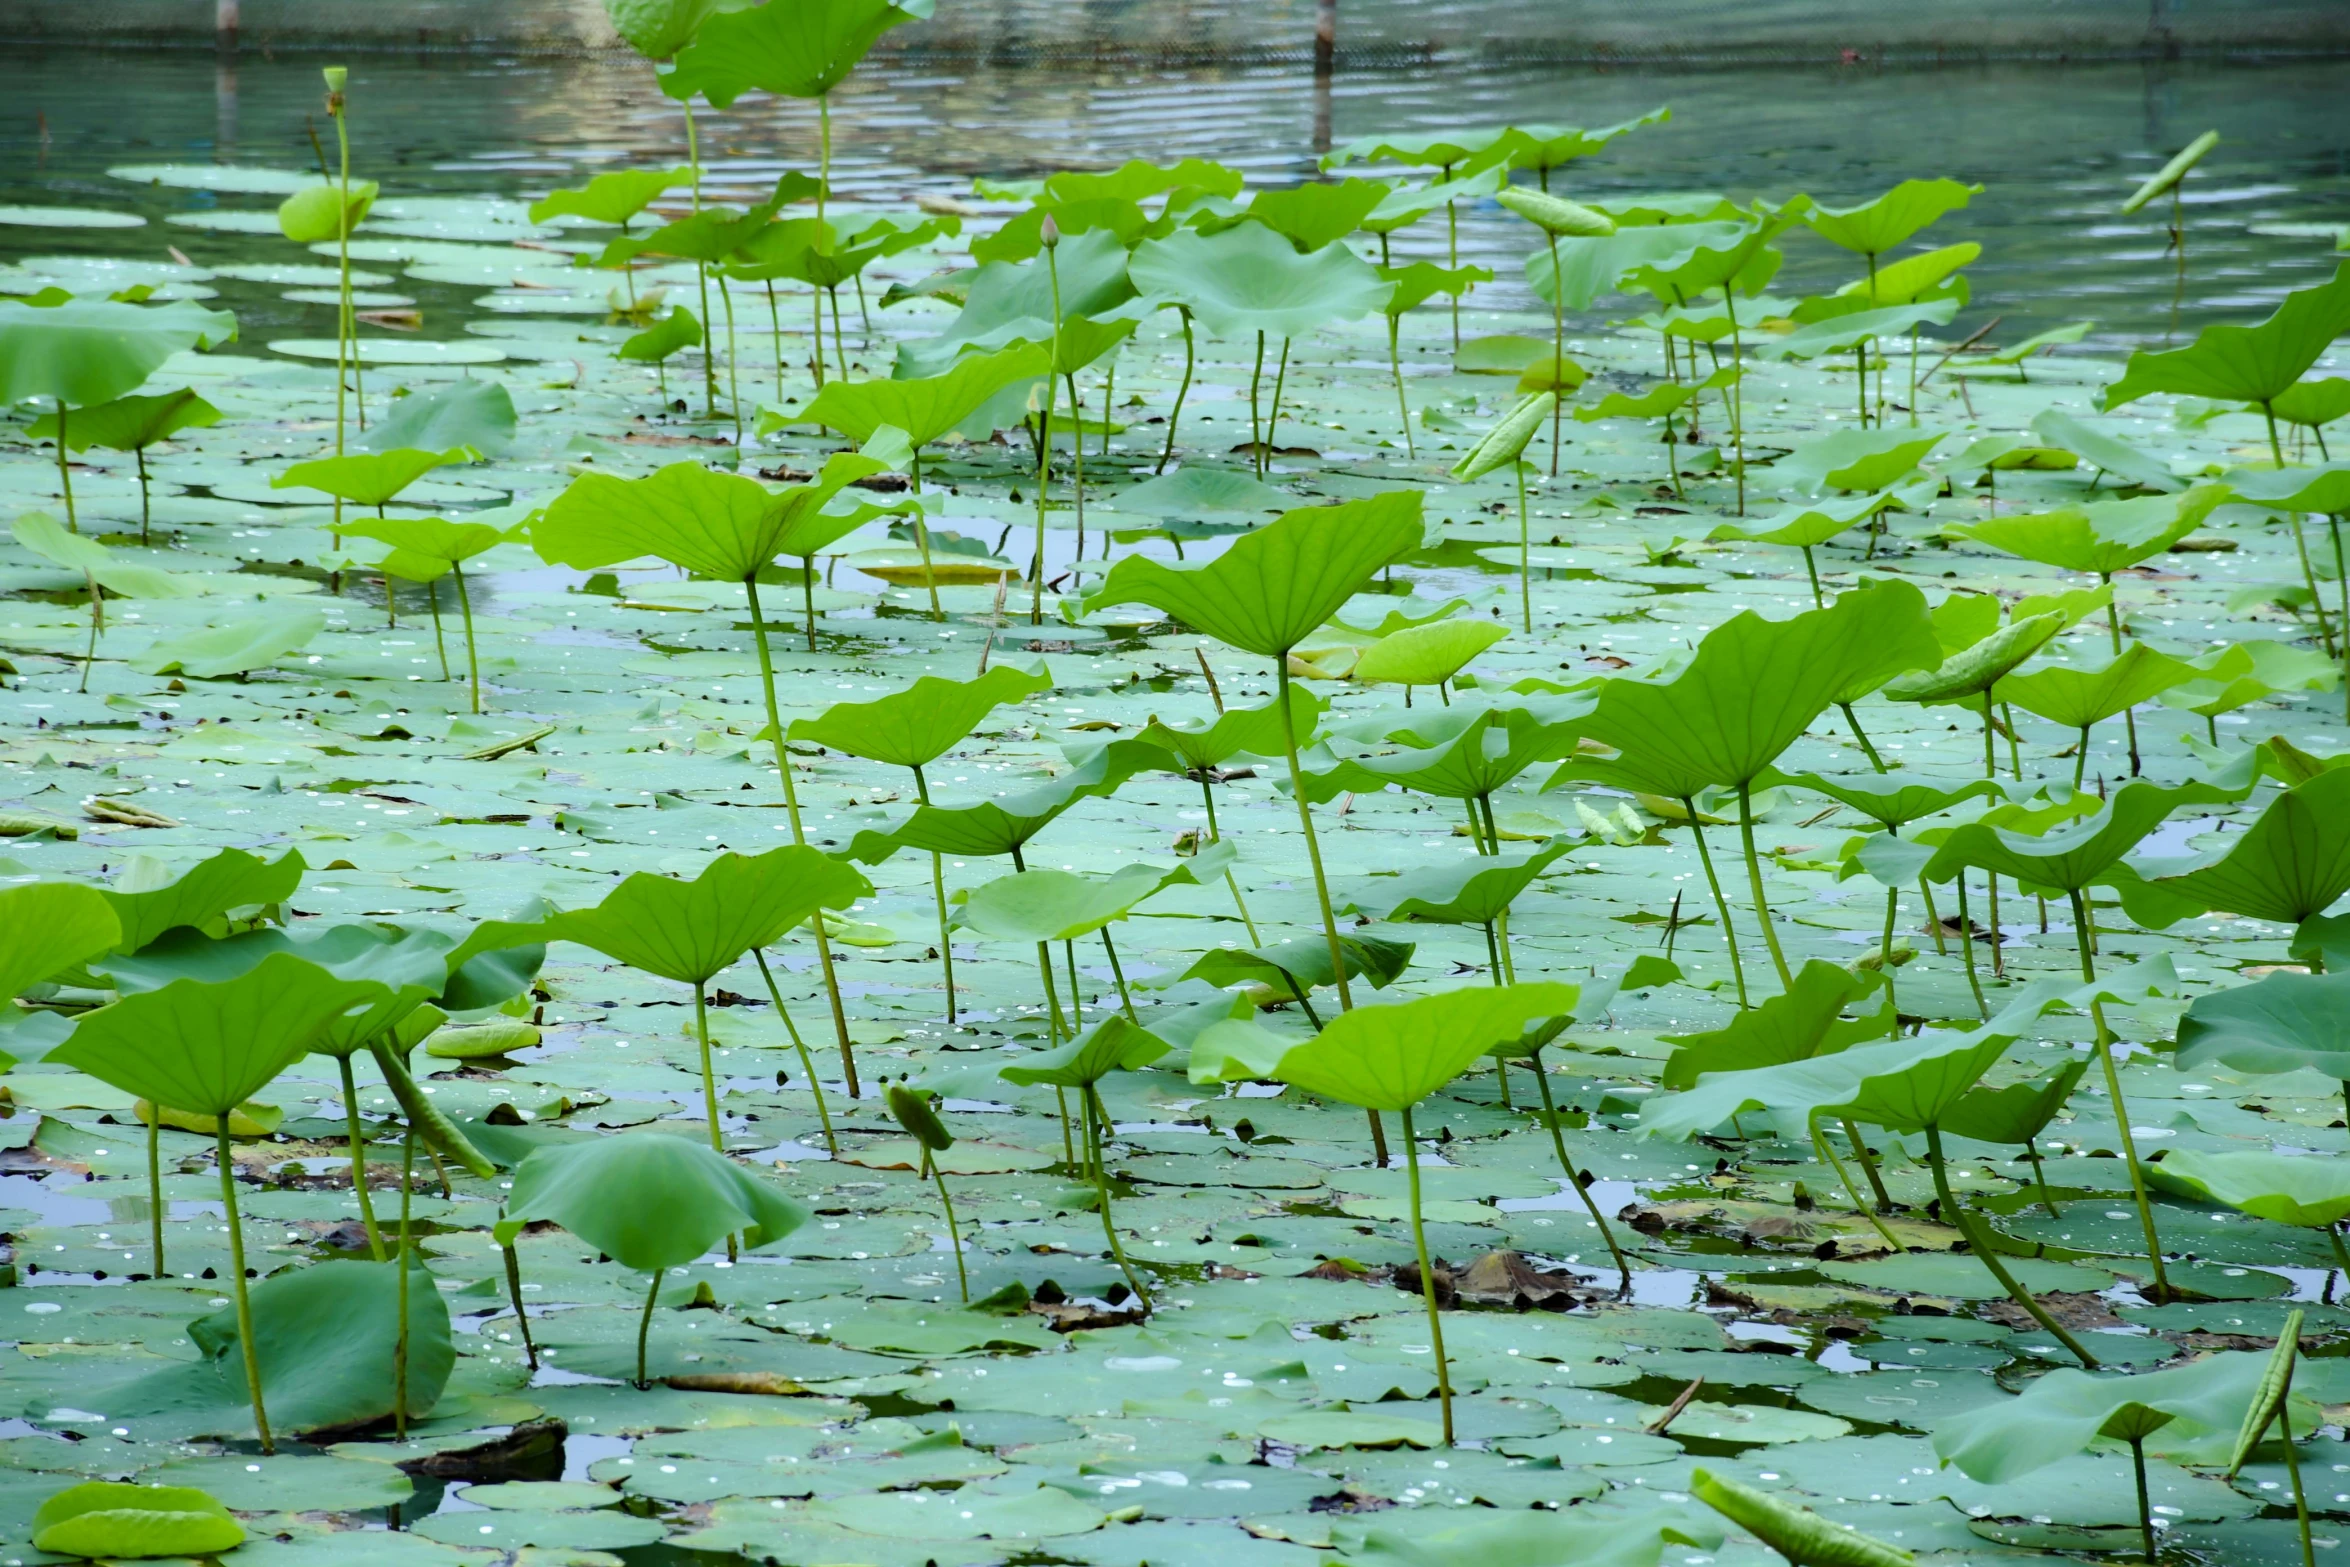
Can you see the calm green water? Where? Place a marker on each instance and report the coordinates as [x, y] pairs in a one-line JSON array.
[[2056, 147]]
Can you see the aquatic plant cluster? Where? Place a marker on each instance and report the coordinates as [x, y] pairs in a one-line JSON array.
[[814, 1002]]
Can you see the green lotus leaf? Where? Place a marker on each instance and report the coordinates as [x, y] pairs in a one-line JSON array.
[[2313, 403], [1299, 967], [929, 407], [1875, 227], [715, 234], [1474, 753], [714, 524], [1238, 731], [1439, 150], [2078, 698], [657, 29], [1112, 1045], [433, 538], [2064, 1411], [2106, 453], [913, 1112], [1192, 490], [318, 213], [1047, 905], [2307, 1192], [1908, 280], [410, 965], [326, 1336], [1806, 1020], [1664, 398], [2244, 364], [1525, 1538], [1312, 217], [1136, 180], [1555, 215], [690, 930], [123, 1522], [1804, 526], [2281, 1023], [129, 424], [1755, 686], [2065, 859], [1841, 334], [1857, 459], [2292, 864], [1588, 268], [48, 927], [2101, 537], [1422, 281], [1797, 1533], [1891, 799], [1390, 1057], [676, 330], [44, 536], [994, 827], [254, 640], [1503, 444], [88, 351], [476, 416], [1734, 256], [201, 895], [1250, 279], [916, 726], [1275, 587], [1976, 668], [611, 197], [210, 1047], [1546, 147], [2017, 1113], [1007, 301], [369, 478], [800, 51], [2322, 489], [2167, 177], [648, 1200], [1426, 655], [1475, 892]]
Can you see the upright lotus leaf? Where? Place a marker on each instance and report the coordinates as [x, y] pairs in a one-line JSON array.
[[252, 640], [2292, 864], [1504, 446], [1047, 905], [1137, 180], [327, 1339], [2101, 537], [318, 213], [2064, 860], [46, 928], [1844, 333], [1797, 1533], [2283, 1022], [915, 726], [1474, 892], [657, 29], [2166, 179], [1313, 217], [1237, 731], [2312, 404], [203, 895], [1429, 655], [2199, 1405], [800, 51], [1555, 215], [1528, 1537], [369, 478], [1466, 760], [1439, 150], [2017, 1113], [1912, 278], [690, 930], [1805, 1021], [130, 424], [714, 524], [117, 1521], [2307, 1193], [1009, 300], [103, 571], [1875, 227], [1112, 1045], [475, 415], [673, 331], [87, 351], [1889, 799], [931, 406], [1300, 967], [614, 196], [2244, 364], [1974, 669], [1544, 148], [2077, 698], [648, 1201], [1862, 460], [411, 966], [1003, 826], [1249, 279], [2325, 488], [1804, 526], [434, 537], [2108, 454]]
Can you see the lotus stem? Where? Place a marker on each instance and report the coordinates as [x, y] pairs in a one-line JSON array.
[[938, 888], [807, 1062], [465, 608], [236, 1253], [375, 1240], [1811, 569], [1452, 259], [1721, 903], [1119, 974], [1558, 1143], [1052, 995], [2040, 1177], [1762, 908], [1933, 919], [799, 832], [1980, 1245], [2293, 1468], [2121, 1109], [1411, 1147], [774, 336], [1068, 1148], [816, 336], [1558, 349], [954, 1231], [1207, 796], [1738, 391], [1273, 415], [400, 1342], [709, 1081], [1076, 1005], [514, 1291], [1403, 408], [840, 343], [2081, 758], [1885, 949], [644, 1328], [693, 158], [1097, 1121], [155, 1207], [1077, 472], [1256, 438], [1044, 479], [1525, 550], [2317, 605], [1966, 946], [808, 599], [1868, 1166], [2341, 575], [1827, 1153], [1184, 390], [929, 573]]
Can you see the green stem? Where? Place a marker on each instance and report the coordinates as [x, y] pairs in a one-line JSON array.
[[65, 473], [1558, 349], [1762, 908], [400, 1341], [1721, 903], [1852, 720], [514, 1292], [1558, 1143], [644, 1328], [1980, 1245], [155, 1188], [1273, 415], [799, 833], [1097, 1121], [1525, 551], [2145, 1505], [938, 889], [709, 1080], [2317, 605], [1411, 1147], [1811, 569], [1256, 439], [954, 1231], [1305, 817], [2121, 1109], [1966, 947], [236, 1252], [1077, 470], [807, 1062], [1054, 1027], [2293, 1468], [2040, 1178], [1119, 974], [1181, 392], [472, 657], [1207, 796], [1868, 1166], [375, 1241], [1827, 1152], [432, 596], [1885, 947], [1403, 408]]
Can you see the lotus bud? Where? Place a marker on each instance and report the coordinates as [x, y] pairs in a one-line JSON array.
[[336, 77], [1050, 233]]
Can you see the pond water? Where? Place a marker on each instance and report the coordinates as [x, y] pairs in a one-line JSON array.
[[2056, 148]]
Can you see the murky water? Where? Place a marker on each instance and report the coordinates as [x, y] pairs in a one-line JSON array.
[[2056, 147]]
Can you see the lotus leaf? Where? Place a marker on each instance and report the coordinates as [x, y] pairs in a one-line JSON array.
[[124, 1522]]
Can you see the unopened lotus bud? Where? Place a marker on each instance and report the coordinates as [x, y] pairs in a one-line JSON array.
[[336, 77], [1051, 232]]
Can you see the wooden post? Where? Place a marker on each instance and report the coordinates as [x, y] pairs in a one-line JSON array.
[[224, 25]]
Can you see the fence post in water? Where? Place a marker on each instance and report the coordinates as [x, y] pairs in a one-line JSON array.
[[224, 24], [1325, 65]]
